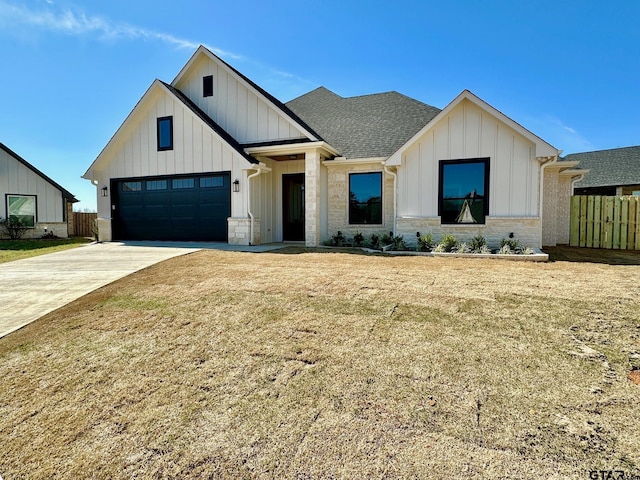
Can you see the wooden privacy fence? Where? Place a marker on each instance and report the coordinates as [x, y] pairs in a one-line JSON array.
[[605, 222], [83, 224]]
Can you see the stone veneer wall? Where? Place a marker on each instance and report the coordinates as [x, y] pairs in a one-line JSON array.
[[59, 229], [239, 232], [563, 211], [71, 224], [338, 200], [551, 194], [104, 229], [525, 229]]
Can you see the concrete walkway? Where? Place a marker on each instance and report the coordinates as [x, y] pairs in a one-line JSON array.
[[33, 287]]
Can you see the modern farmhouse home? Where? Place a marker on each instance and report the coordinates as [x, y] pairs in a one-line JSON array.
[[213, 156], [32, 198]]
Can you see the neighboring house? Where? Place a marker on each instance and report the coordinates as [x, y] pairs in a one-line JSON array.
[[611, 172], [212, 156], [28, 194]]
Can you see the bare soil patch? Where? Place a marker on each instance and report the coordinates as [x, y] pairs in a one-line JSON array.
[[301, 364]]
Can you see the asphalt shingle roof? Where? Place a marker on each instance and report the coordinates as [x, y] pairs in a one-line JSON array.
[[365, 126], [618, 166]]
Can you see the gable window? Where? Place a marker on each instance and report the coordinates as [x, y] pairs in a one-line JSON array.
[[463, 189], [165, 133], [22, 209], [207, 86], [365, 198]]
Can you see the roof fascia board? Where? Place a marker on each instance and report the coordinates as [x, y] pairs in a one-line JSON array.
[[354, 161], [543, 149], [288, 149], [65, 193], [202, 50]]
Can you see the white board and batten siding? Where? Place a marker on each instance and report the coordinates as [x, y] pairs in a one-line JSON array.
[[17, 178], [470, 132], [235, 105], [196, 149]]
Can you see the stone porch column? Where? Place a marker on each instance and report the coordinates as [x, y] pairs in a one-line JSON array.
[[312, 198]]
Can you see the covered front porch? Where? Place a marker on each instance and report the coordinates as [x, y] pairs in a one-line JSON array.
[[285, 195]]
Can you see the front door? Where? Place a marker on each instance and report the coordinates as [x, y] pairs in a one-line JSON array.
[[293, 207]]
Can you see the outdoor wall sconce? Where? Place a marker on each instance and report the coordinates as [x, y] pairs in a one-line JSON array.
[[104, 191], [236, 185]]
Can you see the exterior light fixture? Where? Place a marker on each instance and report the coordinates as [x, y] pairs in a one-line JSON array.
[[236, 185], [104, 191]]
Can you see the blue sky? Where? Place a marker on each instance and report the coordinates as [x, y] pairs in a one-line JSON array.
[[71, 71]]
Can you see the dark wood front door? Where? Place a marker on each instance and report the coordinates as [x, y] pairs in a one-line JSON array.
[[293, 207]]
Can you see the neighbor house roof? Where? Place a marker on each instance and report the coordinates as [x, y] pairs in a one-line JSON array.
[[65, 193], [617, 166], [367, 126]]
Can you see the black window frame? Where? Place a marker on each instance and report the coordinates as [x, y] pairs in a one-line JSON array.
[[161, 145], [442, 164], [32, 197], [207, 86], [351, 213]]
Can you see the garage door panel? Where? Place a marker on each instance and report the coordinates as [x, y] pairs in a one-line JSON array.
[[197, 209]]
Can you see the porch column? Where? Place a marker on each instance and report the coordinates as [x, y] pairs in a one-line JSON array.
[[312, 198]]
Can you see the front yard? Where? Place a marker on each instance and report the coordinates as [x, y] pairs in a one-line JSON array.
[[299, 364], [17, 249]]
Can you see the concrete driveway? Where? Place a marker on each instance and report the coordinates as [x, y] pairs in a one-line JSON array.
[[33, 287]]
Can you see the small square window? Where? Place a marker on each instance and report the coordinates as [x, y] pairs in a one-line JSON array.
[[207, 86], [165, 133], [22, 209]]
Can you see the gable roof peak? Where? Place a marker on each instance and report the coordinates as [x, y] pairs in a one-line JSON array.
[[65, 193]]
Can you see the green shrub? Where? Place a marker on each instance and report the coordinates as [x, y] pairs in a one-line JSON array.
[[358, 239], [463, 248], [447, 244], [386, 239], [15, 227], [338, 239], [477, 243], [374, 241], [425, 242]]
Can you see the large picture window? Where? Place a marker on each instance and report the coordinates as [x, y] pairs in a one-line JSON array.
[[463, 191], [22, 208], [365, 198], [165, 133]]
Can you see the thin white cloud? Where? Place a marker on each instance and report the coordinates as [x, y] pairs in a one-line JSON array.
[[74, 22]]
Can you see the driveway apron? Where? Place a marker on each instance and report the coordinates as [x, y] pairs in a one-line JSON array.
[[33, 287]]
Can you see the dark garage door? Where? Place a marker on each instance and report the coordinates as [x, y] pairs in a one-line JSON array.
[[172, 208]]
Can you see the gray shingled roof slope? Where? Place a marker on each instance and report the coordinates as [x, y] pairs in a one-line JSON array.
[[618, 166], [365, 126]]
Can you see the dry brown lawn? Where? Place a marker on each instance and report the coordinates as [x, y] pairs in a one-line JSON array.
[[330, 365]]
